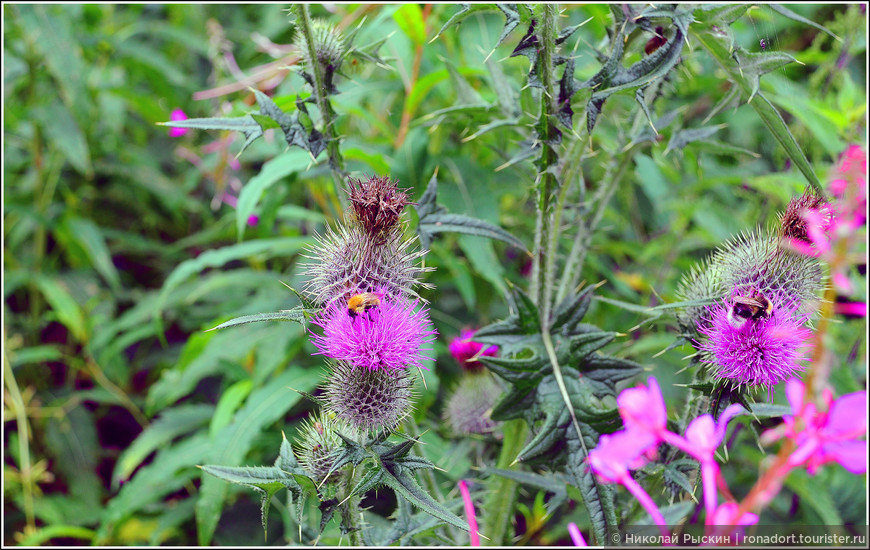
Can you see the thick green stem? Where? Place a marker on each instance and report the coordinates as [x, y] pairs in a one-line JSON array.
[[350, 511], [336, 161], [547, 184], [498, 509]]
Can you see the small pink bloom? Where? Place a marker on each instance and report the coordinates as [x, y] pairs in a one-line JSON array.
[[466, 351], [620, 452], [726, 514], [643, 409], [576, 535], [178, 114], [857, 309], [469, 512], [829, 436]]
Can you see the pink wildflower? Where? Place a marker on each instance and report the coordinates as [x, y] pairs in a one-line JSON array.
[[829, 436], [178, 114], [466, 351], [576, 535], [726, 514], [389, 336], [643, 408], [469, 512]]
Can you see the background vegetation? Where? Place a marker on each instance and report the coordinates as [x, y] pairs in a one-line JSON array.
[[122, 245]]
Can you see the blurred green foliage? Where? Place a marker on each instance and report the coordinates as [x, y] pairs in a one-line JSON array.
[[122, 244]]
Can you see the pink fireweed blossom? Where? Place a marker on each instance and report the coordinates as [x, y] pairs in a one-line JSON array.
[[643, 408], [576, 535], [466, 351], [178, 114], [620, 452], [390, 336], [840, 221], [469, 512], [825, 436], [760, 352], [703, 437]]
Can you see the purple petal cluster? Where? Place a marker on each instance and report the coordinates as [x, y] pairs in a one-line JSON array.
[[761, 352], [391, 336]]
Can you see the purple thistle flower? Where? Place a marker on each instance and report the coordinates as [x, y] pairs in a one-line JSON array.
[[760, 351], [389, 336]]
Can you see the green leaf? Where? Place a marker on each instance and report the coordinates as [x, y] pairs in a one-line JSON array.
[[272, 171], [64, 306], [88, 234], [64, 133], [464, 11], [228, 404], [297, 314], [171, 469], [171, 424], [247, 125], [219, 257], [46, 534], [815, 493], [782, 10], [231, 444], [434, 218], [401, 480], [409, 18]]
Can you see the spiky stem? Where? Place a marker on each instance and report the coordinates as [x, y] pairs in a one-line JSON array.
[[336, 161], [547, 184]]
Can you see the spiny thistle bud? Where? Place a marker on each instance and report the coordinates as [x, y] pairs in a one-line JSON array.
[[749, 347], [329, 48], [468, 409], [377, 333], [377, 206], [369, 400], [316, 442]]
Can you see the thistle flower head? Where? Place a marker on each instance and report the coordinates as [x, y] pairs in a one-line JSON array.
[[346, 261], [369, 400], [758, 351], [466, 351], [316, 442], [392, 335], [329, 45], [377, 206], [468, 409]]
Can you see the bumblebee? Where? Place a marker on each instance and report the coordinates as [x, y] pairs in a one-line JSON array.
[[361, 303], [749, 308]]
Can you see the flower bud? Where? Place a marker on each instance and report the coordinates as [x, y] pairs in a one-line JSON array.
[[316, 442], [469, 407]]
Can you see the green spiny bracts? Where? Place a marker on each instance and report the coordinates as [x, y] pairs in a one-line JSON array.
[[346, 261], [370, 401], [317, 442], [330, 49], [468, 409]]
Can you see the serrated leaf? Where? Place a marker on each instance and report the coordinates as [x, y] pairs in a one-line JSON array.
[[297, 314], [403, 483], [457, 223], [247, 125]]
